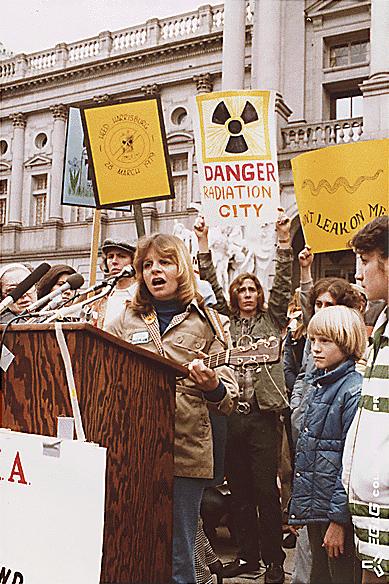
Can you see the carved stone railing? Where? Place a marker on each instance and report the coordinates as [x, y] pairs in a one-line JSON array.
[[206, 20], [320, 134]]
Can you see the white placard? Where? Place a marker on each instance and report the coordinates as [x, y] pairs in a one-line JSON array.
[[236, 155], [52, 509]]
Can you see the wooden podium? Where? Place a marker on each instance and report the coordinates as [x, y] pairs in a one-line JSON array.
[[127, 403]]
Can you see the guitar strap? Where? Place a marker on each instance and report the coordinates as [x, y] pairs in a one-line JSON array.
[[216, 325]]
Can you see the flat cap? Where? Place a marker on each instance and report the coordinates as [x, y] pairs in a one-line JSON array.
[[124, 245]]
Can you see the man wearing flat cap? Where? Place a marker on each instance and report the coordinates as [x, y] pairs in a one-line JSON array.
[[116, 255]]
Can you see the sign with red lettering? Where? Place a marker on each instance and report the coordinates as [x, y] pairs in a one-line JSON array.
[[237, 157], [51, 509]]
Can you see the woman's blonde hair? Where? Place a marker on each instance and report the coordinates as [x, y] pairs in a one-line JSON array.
[[171, 247], [342, 325]]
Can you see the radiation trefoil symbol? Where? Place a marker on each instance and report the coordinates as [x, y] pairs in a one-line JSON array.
[[236, 128]]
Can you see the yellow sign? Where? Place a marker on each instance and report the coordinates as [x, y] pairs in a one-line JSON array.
[[127, 146], [234, 125], [340, 189]]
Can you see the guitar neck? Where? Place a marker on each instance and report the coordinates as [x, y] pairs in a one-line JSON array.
[[217, 359]]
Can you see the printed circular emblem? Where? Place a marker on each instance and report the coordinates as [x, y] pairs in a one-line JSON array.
[[126, 144]]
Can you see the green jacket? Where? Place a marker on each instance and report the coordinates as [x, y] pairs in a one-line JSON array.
[[269, 381]]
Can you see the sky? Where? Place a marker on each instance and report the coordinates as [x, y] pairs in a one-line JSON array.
[[27, 26]]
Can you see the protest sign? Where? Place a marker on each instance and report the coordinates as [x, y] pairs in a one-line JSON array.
[[340, 189], [77, 186], [127, 152], [237, 157], [52, 509]]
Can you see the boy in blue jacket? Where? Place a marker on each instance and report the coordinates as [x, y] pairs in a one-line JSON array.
[[338, 340]]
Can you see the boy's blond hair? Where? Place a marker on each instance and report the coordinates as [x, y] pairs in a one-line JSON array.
[[342, 325]]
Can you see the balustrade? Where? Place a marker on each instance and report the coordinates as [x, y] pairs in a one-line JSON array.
[[156, 32], [318, 135]]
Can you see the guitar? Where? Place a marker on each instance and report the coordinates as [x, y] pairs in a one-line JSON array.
[[247, 356]]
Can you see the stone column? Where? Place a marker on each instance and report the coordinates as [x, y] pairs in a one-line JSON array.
[[379, 31], [376, 88], [234, 40], [16, 187], [266, 57], [266, 50], [60, 114]]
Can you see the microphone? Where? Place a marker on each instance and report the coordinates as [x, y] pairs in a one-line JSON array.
[[127, 272], [24, 286], [73, 282]]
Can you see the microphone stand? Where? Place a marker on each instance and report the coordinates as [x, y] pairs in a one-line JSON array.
[[75, 309]]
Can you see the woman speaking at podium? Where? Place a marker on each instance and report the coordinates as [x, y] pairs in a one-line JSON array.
[[167, 316]]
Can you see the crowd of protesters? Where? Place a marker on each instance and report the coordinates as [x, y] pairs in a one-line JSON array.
[[301, 446]]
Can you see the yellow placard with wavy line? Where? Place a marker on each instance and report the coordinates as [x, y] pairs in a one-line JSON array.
[[340, 189]]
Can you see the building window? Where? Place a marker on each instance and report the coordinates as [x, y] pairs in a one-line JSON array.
[[41, 140], [3, 147], [39, 192], [3, 201], [348, 107], [351, 53], [348, 110], [179, 163], [179, 116]]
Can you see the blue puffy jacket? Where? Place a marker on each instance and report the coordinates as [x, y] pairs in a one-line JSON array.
[[318, 493]]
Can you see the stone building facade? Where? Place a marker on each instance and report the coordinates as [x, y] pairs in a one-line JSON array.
[[331, 60]]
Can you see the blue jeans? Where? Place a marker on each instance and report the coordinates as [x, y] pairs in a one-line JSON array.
[[186, 510]]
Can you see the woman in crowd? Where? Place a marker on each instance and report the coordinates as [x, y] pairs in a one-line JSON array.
[[167, 316], [338, 340], [54, 279], [10, 276], [253, 439]]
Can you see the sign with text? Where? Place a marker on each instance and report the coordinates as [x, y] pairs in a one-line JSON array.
[[77, 187], [52, 509], [127, 152], [340, 189], [237, 157]]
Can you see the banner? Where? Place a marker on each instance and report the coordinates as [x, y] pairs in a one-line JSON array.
[[127, 152], [52, 509], [237, 157], [340, 189]]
